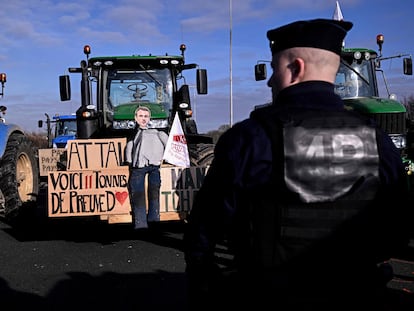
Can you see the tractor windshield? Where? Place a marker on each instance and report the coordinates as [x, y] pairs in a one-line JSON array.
[[65, 127], [354, 80], [126, 87]]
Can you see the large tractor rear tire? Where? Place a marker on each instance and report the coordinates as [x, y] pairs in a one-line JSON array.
[[201, 154], [19, 178]]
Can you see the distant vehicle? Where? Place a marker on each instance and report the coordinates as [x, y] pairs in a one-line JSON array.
[[65, 129]]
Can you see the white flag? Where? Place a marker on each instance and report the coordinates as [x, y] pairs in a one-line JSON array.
[[338, 14], [176, 150]]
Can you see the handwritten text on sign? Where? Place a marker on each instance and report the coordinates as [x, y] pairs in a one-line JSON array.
[[179, 187], [92, 154], [48, 159], [86, 193], [94, 184]]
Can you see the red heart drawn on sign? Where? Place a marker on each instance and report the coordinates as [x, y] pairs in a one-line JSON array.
[[121, 196]]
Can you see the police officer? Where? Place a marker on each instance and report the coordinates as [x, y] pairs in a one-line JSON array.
[[307, 197]]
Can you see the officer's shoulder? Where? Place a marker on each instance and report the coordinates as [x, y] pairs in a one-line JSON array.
[[262, 112]]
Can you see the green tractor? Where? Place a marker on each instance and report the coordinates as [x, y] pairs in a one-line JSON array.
[[112, 87], [356, 82], [89, 177]]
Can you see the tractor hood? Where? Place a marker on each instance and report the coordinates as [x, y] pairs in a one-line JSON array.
[[61, 141], [126, 111], [372, 105]]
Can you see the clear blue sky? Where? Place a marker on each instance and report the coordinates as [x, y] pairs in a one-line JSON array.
[[40, 39]]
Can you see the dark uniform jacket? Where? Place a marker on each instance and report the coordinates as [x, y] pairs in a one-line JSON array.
[[308, 198]]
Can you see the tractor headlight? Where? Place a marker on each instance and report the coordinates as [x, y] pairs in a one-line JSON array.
[[158, 123], [129, 124], [399, 141], [124, 125]]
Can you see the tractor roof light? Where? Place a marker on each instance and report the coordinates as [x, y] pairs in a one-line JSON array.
[[3, 80], [380, 41], [183, 47], [87, 49], [393, 96], [357, 55], [367, 56]]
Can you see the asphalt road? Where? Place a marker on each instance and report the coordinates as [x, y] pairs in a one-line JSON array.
[[89, 265], [86, 265]]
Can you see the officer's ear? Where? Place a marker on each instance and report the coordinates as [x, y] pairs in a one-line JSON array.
[[297, 69]]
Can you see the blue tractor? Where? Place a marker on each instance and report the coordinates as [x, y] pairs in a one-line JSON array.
[[64, 128], [19, 171]]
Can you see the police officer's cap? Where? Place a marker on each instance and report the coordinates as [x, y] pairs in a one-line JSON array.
[[326, 34]]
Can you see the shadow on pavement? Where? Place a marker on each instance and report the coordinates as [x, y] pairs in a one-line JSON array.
[[109, 291], [80, 230]]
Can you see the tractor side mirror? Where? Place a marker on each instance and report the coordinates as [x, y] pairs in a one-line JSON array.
[[64, 87], [408, 66], [201, 81], [260, 72]]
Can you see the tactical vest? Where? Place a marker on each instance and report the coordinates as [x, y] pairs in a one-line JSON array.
[[326, 170]]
